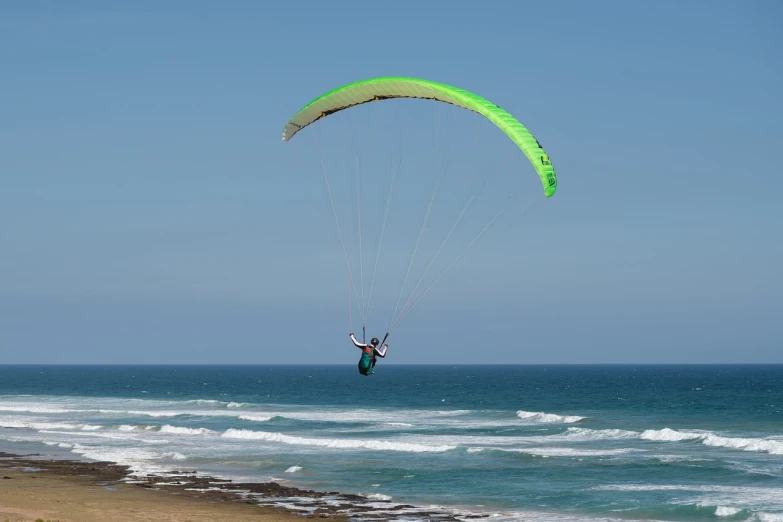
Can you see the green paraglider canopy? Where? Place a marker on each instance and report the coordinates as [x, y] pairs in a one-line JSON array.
[[391, 87]]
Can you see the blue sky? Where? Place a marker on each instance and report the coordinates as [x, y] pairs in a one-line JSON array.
[[149, 212]]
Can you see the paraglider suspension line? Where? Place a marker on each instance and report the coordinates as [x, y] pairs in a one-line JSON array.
[[416, 249], [383, 229], [340, 234]]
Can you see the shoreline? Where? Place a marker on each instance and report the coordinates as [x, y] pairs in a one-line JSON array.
[[34, 486]]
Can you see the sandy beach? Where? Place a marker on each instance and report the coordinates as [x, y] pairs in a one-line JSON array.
[[63, 490], [33, 487]]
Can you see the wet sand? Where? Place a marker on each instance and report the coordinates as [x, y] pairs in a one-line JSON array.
[[32, 487], [62, 490]]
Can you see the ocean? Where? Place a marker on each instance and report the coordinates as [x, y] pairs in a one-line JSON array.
[[542, 443]]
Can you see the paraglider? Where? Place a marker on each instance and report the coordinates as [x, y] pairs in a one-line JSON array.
[[393, 87]]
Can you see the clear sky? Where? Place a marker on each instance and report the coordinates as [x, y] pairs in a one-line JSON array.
[[149, 212]]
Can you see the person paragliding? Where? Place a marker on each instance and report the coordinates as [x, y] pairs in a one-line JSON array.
[[373, 90], [369, 354]]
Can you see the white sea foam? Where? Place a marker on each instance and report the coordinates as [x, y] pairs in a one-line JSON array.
[[145, 427], [164, 413], [382, 445], [87, 435], [769, 445], [669, 435], [449, 412], [723, 511], [556, 451], [774, 447], [361, 415], [36, 409], [255, 417], [293, 469], [378, 496], [678, 458], [138, 459], [33, 425], [184, 431], [588, 434], [254, 413], [769, 517], [204, 401], [145, 411], [572, 452], [164, 409], [540, 416]]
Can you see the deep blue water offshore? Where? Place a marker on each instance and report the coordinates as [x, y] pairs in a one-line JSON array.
[[522, 442]]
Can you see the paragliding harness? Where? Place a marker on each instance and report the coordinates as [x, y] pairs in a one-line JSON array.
[[367, 362]]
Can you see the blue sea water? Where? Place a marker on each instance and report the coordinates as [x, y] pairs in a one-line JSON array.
[[675, 443]]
